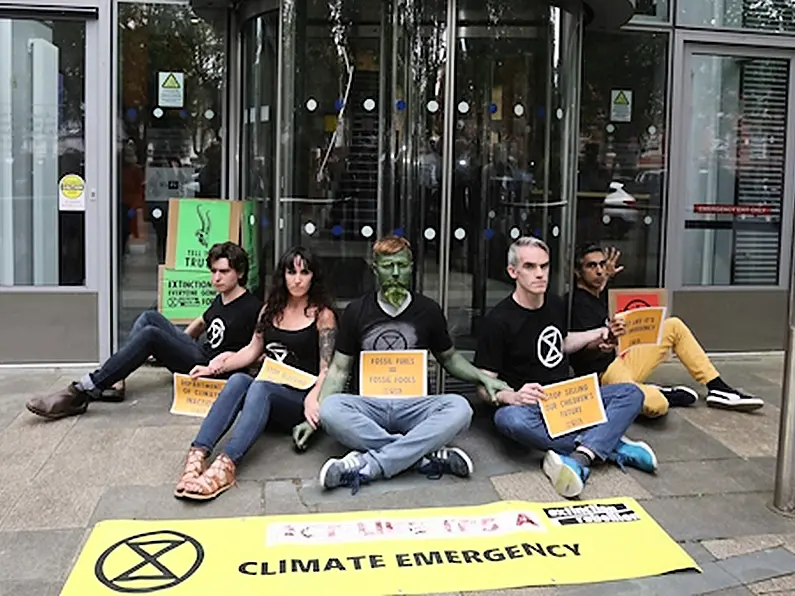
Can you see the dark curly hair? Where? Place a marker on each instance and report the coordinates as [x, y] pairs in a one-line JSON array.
[[234, 253], [278, 294]]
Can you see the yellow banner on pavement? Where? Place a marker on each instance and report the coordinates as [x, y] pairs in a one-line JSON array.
[[194, 397], [572, 405], [501, 545]]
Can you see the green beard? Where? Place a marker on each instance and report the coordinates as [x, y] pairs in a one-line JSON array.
[[394, 294]]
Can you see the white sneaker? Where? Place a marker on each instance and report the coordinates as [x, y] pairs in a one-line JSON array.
[[733, 400]]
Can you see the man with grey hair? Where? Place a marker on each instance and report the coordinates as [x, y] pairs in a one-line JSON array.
[[524, 343]]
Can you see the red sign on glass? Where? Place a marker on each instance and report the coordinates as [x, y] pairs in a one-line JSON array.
[[733, 209]]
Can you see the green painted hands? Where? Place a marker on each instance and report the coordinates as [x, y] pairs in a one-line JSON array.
[[492, 385], [301, 434]]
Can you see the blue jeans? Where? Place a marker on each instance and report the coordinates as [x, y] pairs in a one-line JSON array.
[[394, 434], [152, 335], [525, 424], [253, 403]]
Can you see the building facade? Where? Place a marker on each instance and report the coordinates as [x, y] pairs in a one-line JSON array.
[[662, 128]]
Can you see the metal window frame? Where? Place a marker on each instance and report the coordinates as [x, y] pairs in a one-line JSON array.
[[742, 44]]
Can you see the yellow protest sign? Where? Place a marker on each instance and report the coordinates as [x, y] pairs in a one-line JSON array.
[[572, 405], [644, 326], [393, 373], [500, 545], [194, 397], [284, 374]]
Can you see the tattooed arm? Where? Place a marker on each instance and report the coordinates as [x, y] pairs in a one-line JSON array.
[[327, 331]]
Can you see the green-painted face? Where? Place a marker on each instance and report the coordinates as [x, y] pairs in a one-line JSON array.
[[393, 273]]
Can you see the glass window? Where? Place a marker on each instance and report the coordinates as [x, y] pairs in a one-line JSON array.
[[734, 170], [169, 145], [622, 149], [768, 15], [42, 143]]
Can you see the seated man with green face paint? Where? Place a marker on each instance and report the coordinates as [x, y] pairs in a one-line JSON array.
[[391, 434]]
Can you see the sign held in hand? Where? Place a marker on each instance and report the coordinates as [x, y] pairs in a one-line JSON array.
[[572, 405], [643, 326], [393, 373], [284, 374], [195, 397]]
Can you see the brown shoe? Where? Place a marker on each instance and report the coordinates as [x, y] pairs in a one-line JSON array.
[[67, 402], [219, 477], [195, 464]]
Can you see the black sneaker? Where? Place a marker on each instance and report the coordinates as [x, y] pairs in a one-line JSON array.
[[733, 400], [447, 460], [679, 396]]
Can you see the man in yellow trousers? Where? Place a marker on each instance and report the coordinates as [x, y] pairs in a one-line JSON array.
[[594, 267]]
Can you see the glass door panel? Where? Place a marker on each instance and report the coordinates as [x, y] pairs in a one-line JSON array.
[[733, 171]]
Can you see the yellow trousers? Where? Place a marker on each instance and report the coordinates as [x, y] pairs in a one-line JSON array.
[[639, 362]]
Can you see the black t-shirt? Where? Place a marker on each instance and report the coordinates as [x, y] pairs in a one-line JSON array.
[[523, 345], [229, 327], [589, 312], [366, 327]]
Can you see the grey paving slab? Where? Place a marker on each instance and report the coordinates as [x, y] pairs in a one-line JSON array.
[[52, 507], [709, 477], [158, 502], [421, 494], [674, 439], [42, 556], [778, 585], [736, 591], [758, 566], [491, 453], [740, 545], [525, 486], [282, 498], [273, 458], [700, 554], [752, 434], [719, 516], [30, 588], [605, 481], [152, 456]]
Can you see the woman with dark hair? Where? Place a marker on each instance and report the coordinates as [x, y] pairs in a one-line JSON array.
[[296, 327]]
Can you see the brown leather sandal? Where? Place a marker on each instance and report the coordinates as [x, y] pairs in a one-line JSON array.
[[195, 464], [218, 478]]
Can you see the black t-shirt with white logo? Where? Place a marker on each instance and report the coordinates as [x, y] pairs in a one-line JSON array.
[[589, 312], [229, 327], [366, 327], [523, 345]]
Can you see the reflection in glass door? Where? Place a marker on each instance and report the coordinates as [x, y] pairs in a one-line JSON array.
[[733, 169]]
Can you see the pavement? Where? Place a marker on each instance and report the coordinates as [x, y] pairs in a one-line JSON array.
[[712, 493]]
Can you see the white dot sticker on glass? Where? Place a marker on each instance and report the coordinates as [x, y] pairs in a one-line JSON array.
[[430, 234], [252, 220], [309, 228], [611, 128], [367, 231], [605, 219], [157, 213], [559, 113], [157, 113], [369, 104], [518, 110], [652, 129], [209, 115], [460, 233], [647, 220], [311, 104], [463, 107], [433, 106], [555, 231], [515, 233]]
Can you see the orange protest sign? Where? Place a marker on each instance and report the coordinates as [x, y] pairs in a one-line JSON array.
[[393, 373], [572, 405], [194, 397], [644, 326], [626, 299], [284, 374]]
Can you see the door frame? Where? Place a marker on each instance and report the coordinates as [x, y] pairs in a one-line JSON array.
[[98, 145], [689, 43]]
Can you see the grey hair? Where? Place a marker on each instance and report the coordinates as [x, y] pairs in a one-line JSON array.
[[524, 241]]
